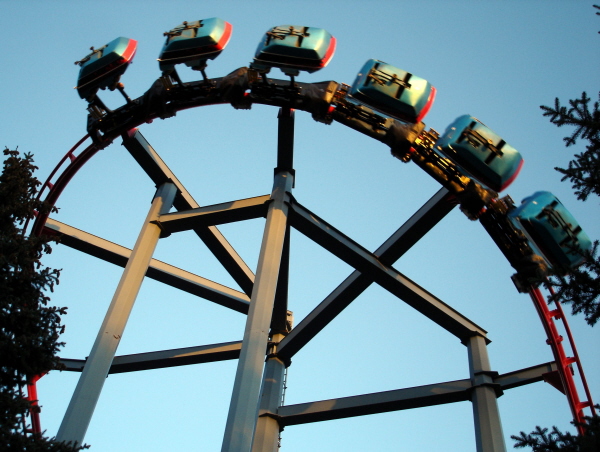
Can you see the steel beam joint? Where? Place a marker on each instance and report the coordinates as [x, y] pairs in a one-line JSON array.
[[483, 379]]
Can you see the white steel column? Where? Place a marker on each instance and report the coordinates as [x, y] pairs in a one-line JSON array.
[[86, 395], [488, 428], [243, 410]]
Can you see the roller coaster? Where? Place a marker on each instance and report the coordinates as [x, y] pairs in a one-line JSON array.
[[472, 164]]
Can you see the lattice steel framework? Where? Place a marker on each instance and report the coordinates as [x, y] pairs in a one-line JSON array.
[[256, 414]]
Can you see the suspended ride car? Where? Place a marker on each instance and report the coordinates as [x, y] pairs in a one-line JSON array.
[[480, 152], [553, 230], [294, 48], [393, 91], [193, 43], [104, 66]]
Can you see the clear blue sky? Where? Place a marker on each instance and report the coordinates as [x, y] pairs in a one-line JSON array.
[[498, 61]]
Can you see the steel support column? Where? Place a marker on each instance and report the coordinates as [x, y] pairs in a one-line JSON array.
[[241, 420], [488, 428], [83, 402], [266, 436]]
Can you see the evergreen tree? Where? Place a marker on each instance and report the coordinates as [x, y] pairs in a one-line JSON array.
[[542, 441], [581, 288], [29, 328]]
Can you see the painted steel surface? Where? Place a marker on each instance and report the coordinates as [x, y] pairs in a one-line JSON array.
[[89, 387], [479, 151], [104, 66], [553, 230], [294, 48], [393, 91], [194, 42], [327, 101]]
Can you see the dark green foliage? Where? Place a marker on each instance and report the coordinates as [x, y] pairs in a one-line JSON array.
[[541, 440], [581, 288], [29, 328], [584, 170]]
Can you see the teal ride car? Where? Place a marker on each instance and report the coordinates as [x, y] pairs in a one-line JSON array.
[[103, 67], [393, 91], [193, 43], [294, 48], [480, 152], [553, 230]]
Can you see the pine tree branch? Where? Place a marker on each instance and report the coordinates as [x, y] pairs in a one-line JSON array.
[[541, 441], [29, 327], [581, 288]]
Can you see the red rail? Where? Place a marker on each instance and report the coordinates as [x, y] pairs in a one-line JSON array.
[[564, 363], [34, 407], [55, 189]]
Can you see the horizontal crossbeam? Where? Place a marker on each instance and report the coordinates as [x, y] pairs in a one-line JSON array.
[[379, 402], [525, 376], [400, 399], [227, 212], [158, 270], [165, 358]]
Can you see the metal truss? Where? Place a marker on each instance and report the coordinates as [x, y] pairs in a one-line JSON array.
[[256, 415]]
